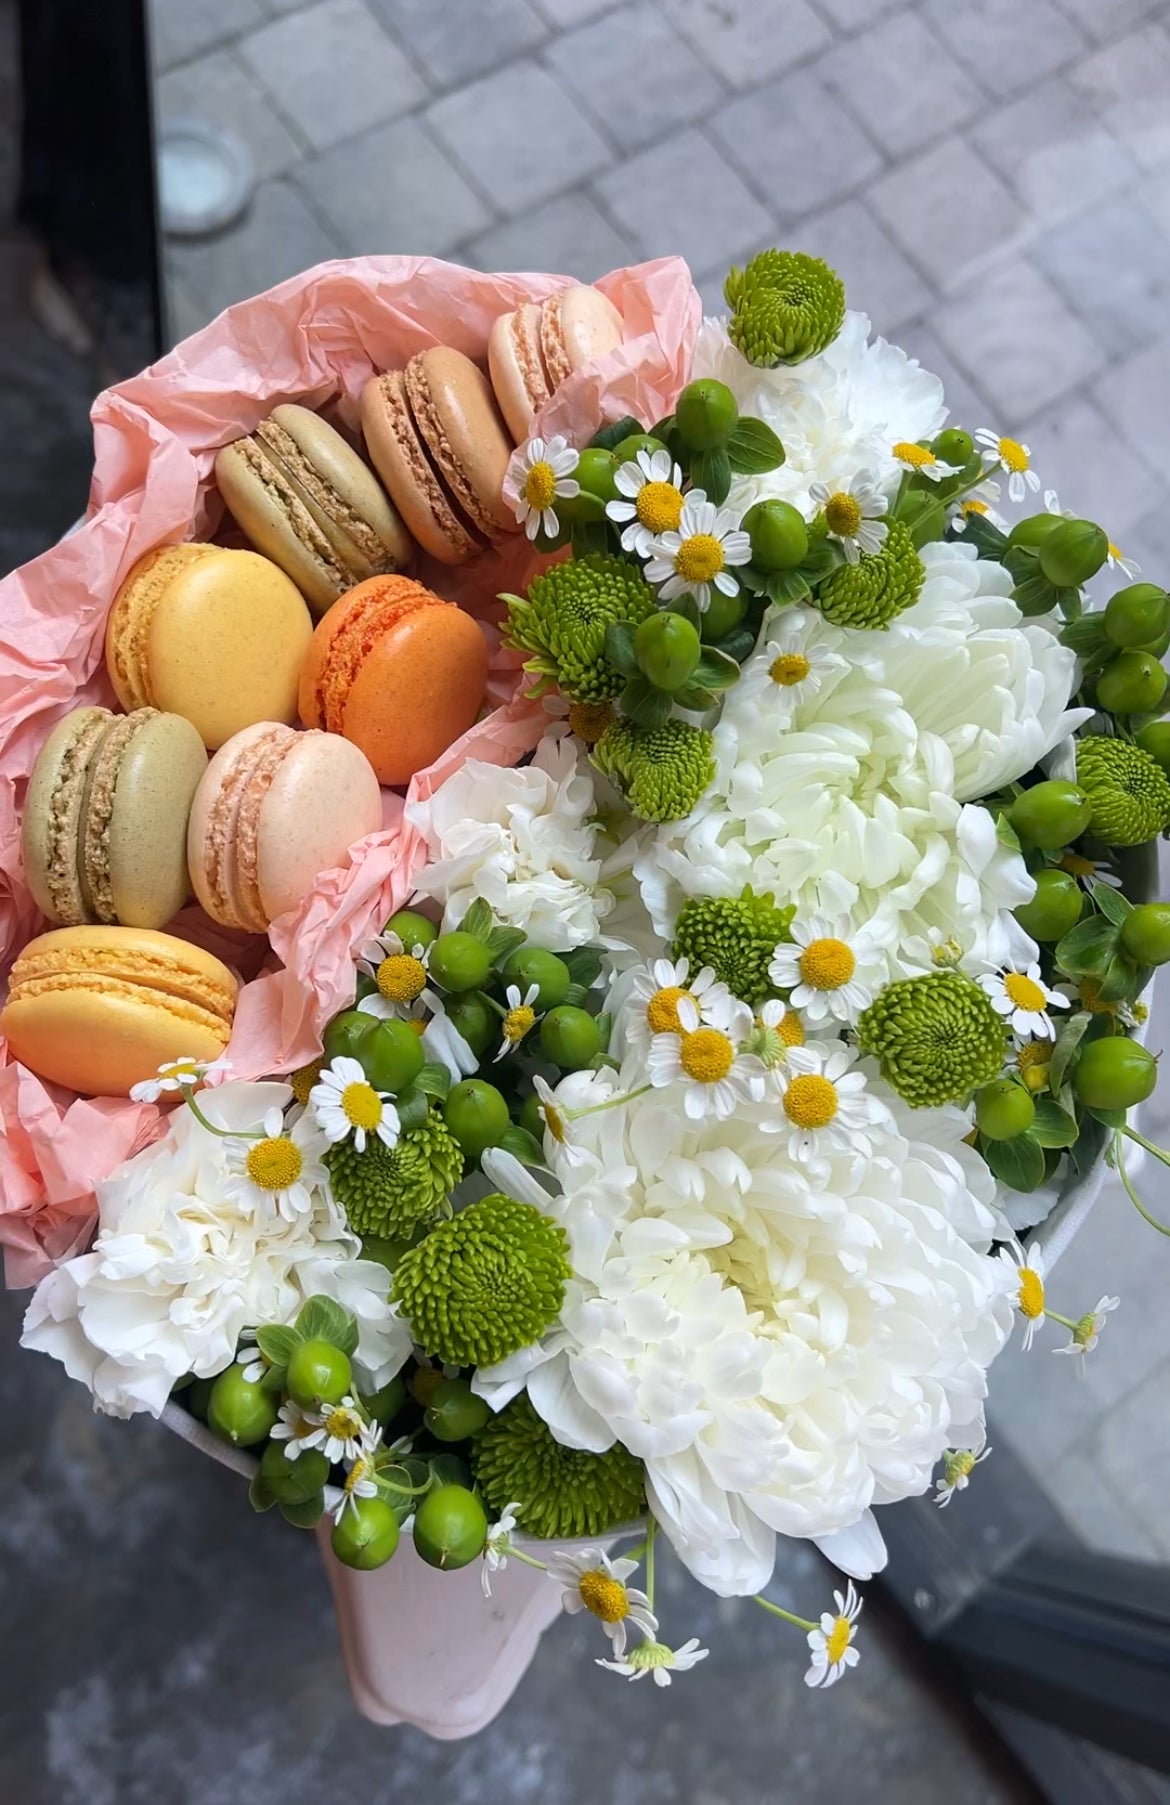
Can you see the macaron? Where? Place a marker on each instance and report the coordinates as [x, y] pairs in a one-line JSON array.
[[104, 833], [275, 809], [577, 325], [98, 1009], [307, 500], [517, 367], [398, 671], [216, 636], [436, 438]]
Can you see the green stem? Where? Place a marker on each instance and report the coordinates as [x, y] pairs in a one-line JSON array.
[[1158, 1152], [224, 1134], [802, 1623], [491, 1002], [651, 1537], [529, 1560], [1139, 1206], [591, 1109], [1054, 1316], [638, 1552]]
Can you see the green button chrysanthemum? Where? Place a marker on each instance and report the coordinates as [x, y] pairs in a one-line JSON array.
[[562, 622], [661, 771], [1127, 789], [560, 1491], [487, 1282], [736, 936], [937, 1037], [785, 307], [393, 1191], [880, 586]]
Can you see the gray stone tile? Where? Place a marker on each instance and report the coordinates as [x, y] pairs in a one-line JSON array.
[[393, 189], [1133, 395], [277, 237], [902, 82], [1128, 84], [185, 314], [216, 90], [851, 15], [180, 29], [637, 72], [949, 210], [566, 13], [1050, 146], [1112, 265], [1136, 1455], [460, 39], [1095, 1507], [878, 279], [1104, 19], [1014, 328], [1081, 455], [332, 70], [967, 406], [797, 143], [1006, 45], [684, 196], [1148, 542], [569, 236], [750, 41], [520, 134]]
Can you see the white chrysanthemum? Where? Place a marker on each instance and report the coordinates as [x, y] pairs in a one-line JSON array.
[[522, 840], [178, 1270]]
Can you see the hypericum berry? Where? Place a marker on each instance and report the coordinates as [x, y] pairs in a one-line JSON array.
[[953, 446], [450, 1527], [345, 1033], [667, 648], [366, 1535], [1114, 1073], [239, 1410], [1055, 908], [476, 1114], [1003, 1109], [1051, 814], [1145, 933], [293, 1481], [1155, 739], [318, 1373], [460, 961], [454, 1411], [530, 965], [1137, 615], [1131, 683], [1072, 553], [570, 1037], [392, 1055], [411, 928], [705, 414], [779, 534]]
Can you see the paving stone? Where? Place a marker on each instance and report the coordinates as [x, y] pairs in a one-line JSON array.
[[1133, 395], [1112, 265], [520, 134], [568, 236], [1080, 454], [459, 39], [797, 143], [750, 41], [185, 314], [1005, 45], [1137, 1457], [572, 12], [902, 83], [1013, 327], [948, 210], [1050, 146], [967, 407], [180, 28], [1104, 19], [1094, 1506], [684, 196], [851, 15], [216, 90], [393, 189], [877, 277], [637, 72], [1128, 83], [279, 236], [332, 70]]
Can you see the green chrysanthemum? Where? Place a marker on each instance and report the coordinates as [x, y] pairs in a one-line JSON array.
[[880, 586], [736, 936], [937, 1037], [485, 1283], [563, 618], [785, 307], [1127, 788], [560, 1491], [393, 1191], [661, 771]]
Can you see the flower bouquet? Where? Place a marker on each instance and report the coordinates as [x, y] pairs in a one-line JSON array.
[[639, 1137]]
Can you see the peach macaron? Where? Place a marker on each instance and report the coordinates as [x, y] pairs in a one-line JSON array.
[[396, 670], [536, 347]]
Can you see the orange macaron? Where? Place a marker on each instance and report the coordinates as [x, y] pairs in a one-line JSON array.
[[396, 670]]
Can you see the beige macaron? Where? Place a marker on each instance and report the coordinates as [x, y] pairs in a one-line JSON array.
[[517, 367], [577, 325]]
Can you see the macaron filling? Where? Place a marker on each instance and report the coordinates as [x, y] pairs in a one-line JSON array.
[[524, 333], [552, 342], [93, 848], [443, 455], [448, 521], [213, 1021], [66, 815], [233, 830], [268, 472], [365, 546]]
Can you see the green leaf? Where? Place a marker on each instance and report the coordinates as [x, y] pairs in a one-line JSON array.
[[524, 1146], [986, 537], [605, 1029], [1005, 833], [1018, 1163], [1112, 1118], [609, 437], [478, 920], [575, 995], [500, 942], [1086, 637], [1086, 950], [1111, 903], [306, 1515], [435, 1080], [648, 706], [589, 536], [619, 647], [753, 580], [738, 644], [1053, 1126], [1121, 981], [274, 1379], [260, 1493], [276, 1342], [754, 448], [1068, 1039], [715, 670], [1036, 595], [412, 1105], [711, 472], [786, 586], [661, 429], [696, 698], [930, 525], [323, 1319], [584, 963]]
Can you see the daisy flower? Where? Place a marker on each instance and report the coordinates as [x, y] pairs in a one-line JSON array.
[[777, 1031], [699, 554], [651, 500], [830, 968], [497, 1547], [591, 1581], [444, 1045], [278, 1172], [294, 1426], [519, 1020], [248, 1356], [1088, 871], [178, 1075], [977, 504], [345, 1104], [853, 516], [790, 667], [1025, 999], [920, 460], [540, 473], [400, 973], [827, 1106], [832, 1643], [1086, 1333], [656, 1658], [1013, 458], [707, 1062], [339, 1430], [957, 1465], [1027, 1285], [658, 989], [1115, 559], [359, 1480]]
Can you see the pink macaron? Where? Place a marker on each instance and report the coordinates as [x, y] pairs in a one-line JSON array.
[[273, 810]]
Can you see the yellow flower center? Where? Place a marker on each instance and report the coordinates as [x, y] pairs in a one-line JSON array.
[[401, 977], [1012, 455], [1031, 1298], [659, 506], [662, 1010], [811, 1101], [699, 558], [361, 1105], [915, 455], [604, 1596], [706, 1056], [789, 668], [838, 1640], [1033, 1060], [304, 1078], [827, 964], [1077, 865], [274, 1164], [555, 1122], [973, 506], [959, 1463], [1115, 553], [1024, 992], [843, 514], [1089, 991], [417, 1025], [343, 1423], [518, 1022], [540, 486], [791, 1029], [356, 1474], [589, 720]]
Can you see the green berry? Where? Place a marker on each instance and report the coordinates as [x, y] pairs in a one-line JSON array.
[[570, 1037], [1003, 1109], [1073, 552], [1137, 615], [530, 1117], [667, 649], [530, 965], [366, 1535], [476, 1114], [1155, 739], [412, 928], [1034, 529], [345, 1033], [1051, 814], [239, 1410], [1114, 1073], [627, 451], [1145, 933], [723, 612], [450, 1527], [455, 1412], [1131, 683], [293, 1481], [199, 1397], [460, 961], [392, 1055], [596, 469], [953, 446], [383, 1405], [705, 414], [778, 534], [318, 1372], [478, 1024], [1055, 908]]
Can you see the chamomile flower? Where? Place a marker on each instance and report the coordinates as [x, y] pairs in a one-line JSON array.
[[278, 1172], [339, 1430], [539, 474], [654, 1657], [853, 515], [497, 1547], [920, 460], [1115, 559], [1088, 871], [1013, 458], [178, 1075], [957, 1467], [700, 553], [825, 1106], [1025, 999], [658, 989], [1027, 1286], [831, 969], [519, 1020], [776, 1031], [832, 1643], [791, 666], [400, 973], [707, 1063], [650, 500], [591, 1581], [360, 1481], [294, 1426], [977, 505], [1086, 1332], [346, 1105], [248, 1356]]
